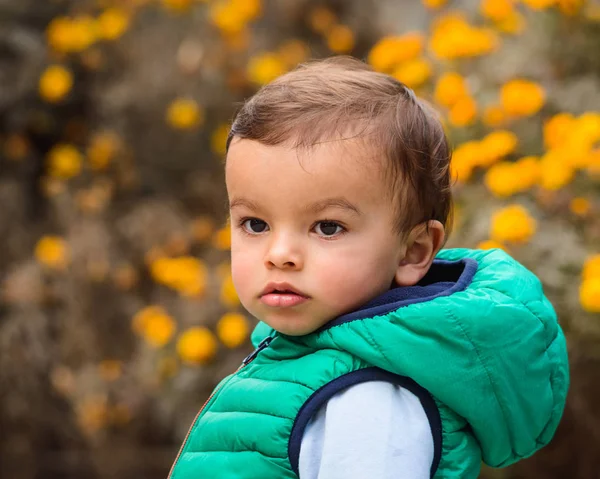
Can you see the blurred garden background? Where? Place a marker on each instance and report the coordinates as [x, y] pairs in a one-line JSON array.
[[117, 311]]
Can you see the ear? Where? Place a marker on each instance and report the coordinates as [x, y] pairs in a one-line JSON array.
[[421, 248]]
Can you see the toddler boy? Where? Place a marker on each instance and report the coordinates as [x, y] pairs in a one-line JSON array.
[[378, 354]]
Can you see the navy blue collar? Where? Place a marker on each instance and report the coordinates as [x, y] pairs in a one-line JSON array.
[[442, 279]]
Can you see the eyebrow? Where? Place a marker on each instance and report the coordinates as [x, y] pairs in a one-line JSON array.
[[316, 207]]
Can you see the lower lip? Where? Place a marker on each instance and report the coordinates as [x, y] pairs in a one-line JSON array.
[[282, 300]]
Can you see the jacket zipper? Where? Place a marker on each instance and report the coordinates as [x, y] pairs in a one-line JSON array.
[[247, 360]]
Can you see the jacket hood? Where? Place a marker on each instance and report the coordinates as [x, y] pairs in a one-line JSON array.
[[478, 333]]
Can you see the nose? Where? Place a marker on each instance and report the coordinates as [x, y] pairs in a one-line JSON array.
[[283, 253]]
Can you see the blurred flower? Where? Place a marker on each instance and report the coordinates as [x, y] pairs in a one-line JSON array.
[[591, 267], [491, 244], [321, 19], [229, 296], [113, 23], [340, 39], [64, 161], [589, 295], [218, 139], [493, 116], [102, 149], [110, 369], [177, 5], [434, 4], [125, 277], [155, 325], [16, 147], [463, 111], [264, 68], [464, 159], [233, 329], [505, 178], [293, 51], [580, 206], [497, 10], [67, 35], [413, 73], [453, 37], [222, 238], [232, 16], [496, 145], [555, 172], [450, 87], [390, 51], [513, 24], [522, 97], [512, 224], [539, 4], [92, 414], [557, 128], [184, 114], [52, 251], [185, 274], [55, 83], [202, 228], [196, 345]]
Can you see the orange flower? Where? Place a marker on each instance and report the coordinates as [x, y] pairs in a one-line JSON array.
[[390, 51], [184, 114], [450, 88], [340, 39], [413, 73], [233, 329], [522, 97], [197, 345], [512, 224], [52, 251], [55, 83], [265, 68], [463, 112]]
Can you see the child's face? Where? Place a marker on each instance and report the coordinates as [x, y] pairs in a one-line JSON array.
[[320, 221]]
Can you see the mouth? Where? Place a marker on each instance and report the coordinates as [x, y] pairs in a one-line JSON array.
[[282, 295]]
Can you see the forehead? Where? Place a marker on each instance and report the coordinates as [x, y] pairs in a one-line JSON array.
[[281, 175]]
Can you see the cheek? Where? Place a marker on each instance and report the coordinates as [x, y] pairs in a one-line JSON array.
[[243, 270]]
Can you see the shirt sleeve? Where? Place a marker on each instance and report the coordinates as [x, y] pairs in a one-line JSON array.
[[374, 429]]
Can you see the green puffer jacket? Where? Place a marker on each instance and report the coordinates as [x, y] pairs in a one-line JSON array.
[[477, 341]]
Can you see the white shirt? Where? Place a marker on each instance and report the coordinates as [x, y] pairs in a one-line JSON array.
[[374, 430]]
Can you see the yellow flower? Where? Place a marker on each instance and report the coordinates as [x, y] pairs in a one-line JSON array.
[[591, 267], [196, 345], [505, 179], [229, 295], [512, 224], [155, 325], [233, 329], [539, 4], [265, 68], [55, 83], [64, 161], [390, 51], [202, 228], [102, 149], [453, 37], [68, 35], [184, 114], [463, 112], [113, 23], [185, 274], [434, 4], [557, 129], [464, 159], [413, 73], [522, 97], [555, 171], [497, 145], [450, 88], [321, 19], [514, 24], [177, 5], [491, 244], [218, 139], [227, 17], [250, 9], [292, 52], [340, 39], [589, 295], [580, 206], [52, 251], [497, 10], [222, 238], [493, 116]]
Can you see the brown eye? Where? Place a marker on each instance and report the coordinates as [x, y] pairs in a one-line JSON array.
[[254, 225]]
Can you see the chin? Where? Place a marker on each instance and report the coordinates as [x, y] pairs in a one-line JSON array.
[[292, 326]]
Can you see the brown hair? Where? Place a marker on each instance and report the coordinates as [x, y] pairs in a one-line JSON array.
[[323, 99]]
